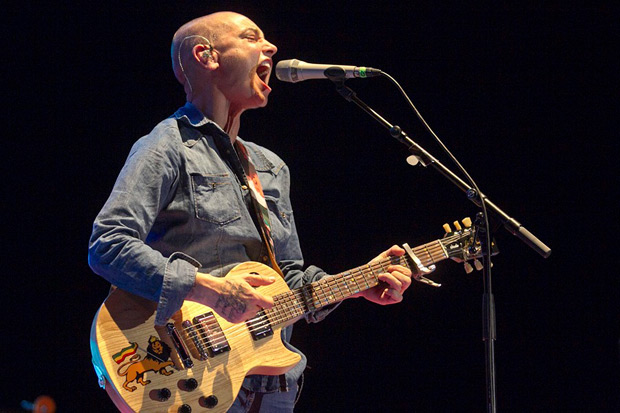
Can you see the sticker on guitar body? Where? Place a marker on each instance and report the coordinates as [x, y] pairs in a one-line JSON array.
[[156, 359]]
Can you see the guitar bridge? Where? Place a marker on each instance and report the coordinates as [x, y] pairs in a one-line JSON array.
[[179, 345]]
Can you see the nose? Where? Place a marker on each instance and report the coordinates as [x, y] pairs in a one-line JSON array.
[[269, 48]]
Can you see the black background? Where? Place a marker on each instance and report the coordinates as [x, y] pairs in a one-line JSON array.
[[524, 94]]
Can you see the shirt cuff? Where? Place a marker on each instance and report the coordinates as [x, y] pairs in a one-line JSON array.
[[313, 274], [179, 279]]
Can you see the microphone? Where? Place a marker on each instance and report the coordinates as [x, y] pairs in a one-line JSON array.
[[294, 70]]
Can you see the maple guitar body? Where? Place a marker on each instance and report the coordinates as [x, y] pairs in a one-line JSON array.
[[141, 363], [198, 361]]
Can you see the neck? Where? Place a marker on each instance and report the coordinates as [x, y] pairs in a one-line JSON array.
[[217, 108]]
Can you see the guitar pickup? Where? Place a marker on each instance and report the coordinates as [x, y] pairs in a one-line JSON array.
[[259, 326], [208, 336]]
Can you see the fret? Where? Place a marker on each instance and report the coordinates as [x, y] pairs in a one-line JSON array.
[[293, 309], [361, 282], [307, 294], [335, 288], [329, 290], [370, 281], [328, 297], [420, 252], [357, 286], [345, 277], [382, 266], [296, 297], [440, 252], [351, 283]]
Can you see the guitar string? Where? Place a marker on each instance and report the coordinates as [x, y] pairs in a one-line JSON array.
[[273, 317], [278, 315]]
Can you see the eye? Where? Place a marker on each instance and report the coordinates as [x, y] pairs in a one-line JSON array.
[[252, 36]]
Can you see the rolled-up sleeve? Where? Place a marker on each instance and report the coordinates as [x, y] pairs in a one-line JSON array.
[[117, 248], [179, 278]]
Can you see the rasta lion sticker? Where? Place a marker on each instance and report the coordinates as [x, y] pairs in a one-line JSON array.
[[157, 354]]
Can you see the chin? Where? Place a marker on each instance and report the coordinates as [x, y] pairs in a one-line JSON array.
[[260, 99]]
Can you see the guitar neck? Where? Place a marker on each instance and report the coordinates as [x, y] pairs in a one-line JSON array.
[[330, 290]]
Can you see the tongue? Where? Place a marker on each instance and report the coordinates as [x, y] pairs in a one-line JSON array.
[[265, 85]]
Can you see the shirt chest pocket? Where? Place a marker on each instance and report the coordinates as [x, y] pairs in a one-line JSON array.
[[215, 198]]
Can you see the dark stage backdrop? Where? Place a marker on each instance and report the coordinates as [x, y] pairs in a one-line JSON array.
[[524, 94]]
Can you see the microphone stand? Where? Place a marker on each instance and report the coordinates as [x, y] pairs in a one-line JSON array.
[[478, 198]]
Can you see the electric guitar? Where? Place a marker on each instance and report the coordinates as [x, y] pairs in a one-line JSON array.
[[198, 361]]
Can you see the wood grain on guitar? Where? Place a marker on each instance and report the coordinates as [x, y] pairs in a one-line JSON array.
[[198, 361]]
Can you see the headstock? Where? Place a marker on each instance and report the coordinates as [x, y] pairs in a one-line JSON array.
[[463, 245]]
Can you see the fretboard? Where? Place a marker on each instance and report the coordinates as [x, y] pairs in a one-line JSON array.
[[332, 289]]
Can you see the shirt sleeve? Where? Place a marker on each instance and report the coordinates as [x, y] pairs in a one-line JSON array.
[[117, 248]]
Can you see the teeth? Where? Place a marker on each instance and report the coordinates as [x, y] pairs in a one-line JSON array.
[[263, 70]]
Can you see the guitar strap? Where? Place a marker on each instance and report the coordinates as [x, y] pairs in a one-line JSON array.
[[260, 205], [247, 175]]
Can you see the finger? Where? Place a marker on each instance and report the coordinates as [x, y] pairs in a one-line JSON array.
[[256, 280], [394, 294], [394, 250], [405, 279], [263, 301], [392, 281], [399, 269]]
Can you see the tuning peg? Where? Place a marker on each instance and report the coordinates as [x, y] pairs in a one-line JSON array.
[[466, 222], [457, 226], [468, 268], [446, 227], [478, 265]]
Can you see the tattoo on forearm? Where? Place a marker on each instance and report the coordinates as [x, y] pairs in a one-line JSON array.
[[229, 304]]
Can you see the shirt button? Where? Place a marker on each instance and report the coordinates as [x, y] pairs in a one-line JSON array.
[[244, 187], [264, 258]]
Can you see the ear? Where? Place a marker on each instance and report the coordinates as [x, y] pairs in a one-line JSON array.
[[206, 56]]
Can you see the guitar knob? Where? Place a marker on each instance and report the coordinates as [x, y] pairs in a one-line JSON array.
[[189, 385], [466, 222], [478, 265], [186, 408], [446, 228], [163, 394], [457, 226], [209, 402]]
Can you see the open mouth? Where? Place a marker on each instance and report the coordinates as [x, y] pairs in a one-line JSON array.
[[264, 71]]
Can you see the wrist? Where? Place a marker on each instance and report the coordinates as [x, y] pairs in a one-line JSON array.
[[204, 289]]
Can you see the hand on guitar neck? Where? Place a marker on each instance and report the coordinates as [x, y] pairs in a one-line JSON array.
[[233, 297], [393, 283]]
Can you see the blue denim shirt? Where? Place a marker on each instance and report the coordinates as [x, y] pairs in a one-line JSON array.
[[177, 206]]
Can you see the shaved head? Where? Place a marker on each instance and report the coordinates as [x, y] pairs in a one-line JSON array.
[[203, 30], [224, 63]]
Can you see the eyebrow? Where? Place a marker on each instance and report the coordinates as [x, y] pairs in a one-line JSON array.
[[255, 30]]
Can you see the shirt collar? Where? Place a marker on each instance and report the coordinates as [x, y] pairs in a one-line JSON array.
[[193, 116]]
